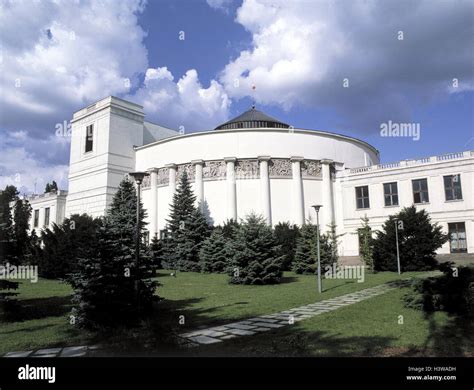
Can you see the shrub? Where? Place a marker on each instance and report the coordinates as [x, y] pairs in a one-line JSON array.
[[452, 292], [418, 241], [255, 255]]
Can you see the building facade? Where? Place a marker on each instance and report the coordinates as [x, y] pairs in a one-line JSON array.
[[255, 163]]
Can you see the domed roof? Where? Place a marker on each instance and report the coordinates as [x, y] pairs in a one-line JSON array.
[[252, 119]]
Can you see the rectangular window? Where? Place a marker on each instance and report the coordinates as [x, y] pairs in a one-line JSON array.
[[362, 197], [457, 237], [36, 220], [46, 216], [89, 138], [390, 192], [420, 191], [452, 187]]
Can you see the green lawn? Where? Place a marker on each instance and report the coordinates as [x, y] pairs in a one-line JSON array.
[[209, 299], [369, 327]]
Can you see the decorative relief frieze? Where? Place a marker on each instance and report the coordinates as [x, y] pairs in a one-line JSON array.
[[311, 168], [214, 170], [247, 169], [189, 168], [280, 167], [146, 183], [163, 176]]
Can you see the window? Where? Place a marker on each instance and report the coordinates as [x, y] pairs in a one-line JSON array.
[[452, 187], [89, 138], [390, 193], [362, 197], [36, 220], [163, 234], [46, 216], [420, 191], [457, 237]]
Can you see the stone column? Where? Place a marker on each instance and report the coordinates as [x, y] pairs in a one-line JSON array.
[[328, 204], [298, 201], [198, 183], [265, 188], [154, 202], [231, 188], [172, 180]]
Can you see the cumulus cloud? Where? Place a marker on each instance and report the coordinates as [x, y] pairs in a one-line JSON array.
[[185, 104], [302, 52], [59, 56], [22, 166]]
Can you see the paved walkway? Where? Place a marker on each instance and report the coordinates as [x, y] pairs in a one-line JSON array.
[[265, 323], [79, 351]]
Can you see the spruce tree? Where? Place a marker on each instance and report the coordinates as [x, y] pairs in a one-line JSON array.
[[306, 251], [109, 289], [21, 227], [418, 240], [255, 255], [286, 235], [366, 249], [214, 253], [156, 252], [187, 227]]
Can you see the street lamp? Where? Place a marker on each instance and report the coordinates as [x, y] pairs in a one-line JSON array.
[[138, 176], [316, 208], [396, 240]]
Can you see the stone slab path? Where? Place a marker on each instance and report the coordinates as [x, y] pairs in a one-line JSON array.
[[79, 351], [266, 323]]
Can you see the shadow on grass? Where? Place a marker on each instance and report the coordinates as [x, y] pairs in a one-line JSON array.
[[37, 308], [294, 341], [451, 339]]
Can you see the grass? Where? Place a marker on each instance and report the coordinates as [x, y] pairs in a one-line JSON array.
[[209, 299], [369, 327]]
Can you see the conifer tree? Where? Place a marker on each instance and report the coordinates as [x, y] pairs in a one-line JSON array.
[[214, 253], [254, 252], [306, 251], [418, 240], [366, 249], [286, 235], [188, 228], [109, 289], [156, 252]]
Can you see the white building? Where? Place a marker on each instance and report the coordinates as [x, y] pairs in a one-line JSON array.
[[257, 163]]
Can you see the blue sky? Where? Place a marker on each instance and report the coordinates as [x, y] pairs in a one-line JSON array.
[[399, 60]]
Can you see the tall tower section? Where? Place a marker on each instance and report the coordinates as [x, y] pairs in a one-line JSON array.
[[103, 136]]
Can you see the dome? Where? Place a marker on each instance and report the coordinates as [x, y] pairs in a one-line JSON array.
[[252, 119]]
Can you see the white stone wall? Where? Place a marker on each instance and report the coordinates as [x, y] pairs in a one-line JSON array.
[[94, 176], [440, 210]]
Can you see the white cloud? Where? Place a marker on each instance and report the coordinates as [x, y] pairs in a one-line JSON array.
[[21, 167], [302, 51], [65, 55], [222, 5], [182, 104]]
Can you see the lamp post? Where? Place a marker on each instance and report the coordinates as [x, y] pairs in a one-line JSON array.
[[396, 240], [138, 176], [316, 208]]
